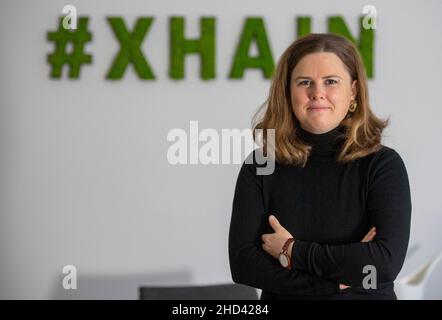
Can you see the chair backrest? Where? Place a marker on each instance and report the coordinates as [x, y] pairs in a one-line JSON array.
[[229, 291], [433, 286], [422, 284]]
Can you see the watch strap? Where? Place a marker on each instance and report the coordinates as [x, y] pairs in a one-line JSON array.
[[287, 244]]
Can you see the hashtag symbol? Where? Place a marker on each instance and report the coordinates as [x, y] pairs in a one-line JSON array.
[[74, 59]]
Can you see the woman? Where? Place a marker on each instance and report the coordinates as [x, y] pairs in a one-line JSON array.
[[333, 219]]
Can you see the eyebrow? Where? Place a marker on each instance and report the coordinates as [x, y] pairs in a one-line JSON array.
[[330, 76]]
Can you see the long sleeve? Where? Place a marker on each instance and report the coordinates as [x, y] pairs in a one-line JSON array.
[[389, 209], [249, 263]]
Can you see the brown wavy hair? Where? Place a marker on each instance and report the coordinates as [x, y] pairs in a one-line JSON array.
[[363, 130]]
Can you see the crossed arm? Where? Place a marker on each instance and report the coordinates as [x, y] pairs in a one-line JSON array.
[[249, 263], [320, 268], [273, 242]]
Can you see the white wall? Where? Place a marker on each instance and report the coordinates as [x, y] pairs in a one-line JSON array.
[[84, 174]]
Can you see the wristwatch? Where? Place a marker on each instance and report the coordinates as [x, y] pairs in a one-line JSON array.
[[284, 257]]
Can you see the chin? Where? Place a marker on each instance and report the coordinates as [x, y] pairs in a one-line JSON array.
[[318, 129]]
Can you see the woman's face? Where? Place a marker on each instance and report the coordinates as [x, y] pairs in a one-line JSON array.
[[321, 91]]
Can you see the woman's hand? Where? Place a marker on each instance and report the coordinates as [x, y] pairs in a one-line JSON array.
[[368, 237], [273, 242]]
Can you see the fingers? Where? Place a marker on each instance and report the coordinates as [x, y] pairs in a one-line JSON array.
[[364, 239], [264, 237], [343, 286], [370, 235], [274, 223], [265, 247]]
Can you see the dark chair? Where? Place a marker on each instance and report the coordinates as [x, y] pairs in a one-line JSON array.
[[230, 291]]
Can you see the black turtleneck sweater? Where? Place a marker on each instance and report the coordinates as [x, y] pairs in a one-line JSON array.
[[328, 208]]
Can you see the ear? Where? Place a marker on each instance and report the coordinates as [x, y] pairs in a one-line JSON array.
[[354, 89]]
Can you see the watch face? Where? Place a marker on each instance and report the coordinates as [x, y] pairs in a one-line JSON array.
[[283, 260]]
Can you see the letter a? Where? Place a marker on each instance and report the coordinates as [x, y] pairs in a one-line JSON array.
[[70, 280]]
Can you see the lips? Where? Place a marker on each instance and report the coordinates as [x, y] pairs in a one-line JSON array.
[[318, 108]]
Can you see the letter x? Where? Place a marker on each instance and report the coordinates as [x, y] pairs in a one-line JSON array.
[[130, 52]]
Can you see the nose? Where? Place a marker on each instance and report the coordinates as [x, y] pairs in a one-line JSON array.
[[317, 93]]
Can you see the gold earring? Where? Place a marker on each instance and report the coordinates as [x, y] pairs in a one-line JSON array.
[[353, 106]]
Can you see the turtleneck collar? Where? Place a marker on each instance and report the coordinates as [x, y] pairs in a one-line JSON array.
[[324, 145]]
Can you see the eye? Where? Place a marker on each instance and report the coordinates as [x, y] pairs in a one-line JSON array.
[[330, 81], [304, 83]]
